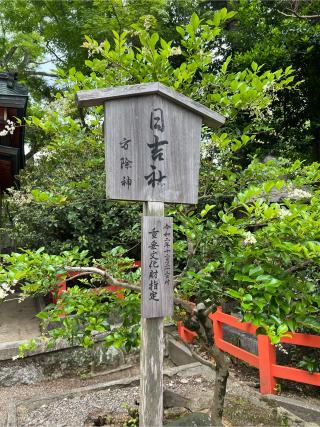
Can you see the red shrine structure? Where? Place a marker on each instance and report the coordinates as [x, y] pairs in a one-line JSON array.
[[13, 104]]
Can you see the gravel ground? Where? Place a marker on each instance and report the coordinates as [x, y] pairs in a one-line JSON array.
[[73, 411], [21, 392]]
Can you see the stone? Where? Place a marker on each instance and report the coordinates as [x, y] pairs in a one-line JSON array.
[[203, 370], [197, 419], [61, 362], [179, 353], [172, 399], [307, 412], [12, 375], [111, 357]]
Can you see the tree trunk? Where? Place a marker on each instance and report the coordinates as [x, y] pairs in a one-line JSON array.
[[220, 386], [222, 366]]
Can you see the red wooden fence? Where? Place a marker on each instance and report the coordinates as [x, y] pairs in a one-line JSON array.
[[265, 361], [185, 333]]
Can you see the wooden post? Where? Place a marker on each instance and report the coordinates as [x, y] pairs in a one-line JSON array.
[[152, 135], [151, 355], [267, 358]]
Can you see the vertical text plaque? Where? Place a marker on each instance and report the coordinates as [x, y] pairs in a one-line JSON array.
[[157, 267], [152, 150]]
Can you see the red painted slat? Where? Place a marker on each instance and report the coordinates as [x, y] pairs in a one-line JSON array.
[[234, 322], [294, 374], [303, 339], [186, 334], [241, 354]]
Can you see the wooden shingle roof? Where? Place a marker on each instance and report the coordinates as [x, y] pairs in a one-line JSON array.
[[88, 98]]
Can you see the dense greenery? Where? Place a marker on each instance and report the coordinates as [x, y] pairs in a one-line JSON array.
[[53, 31], [262, 247], [278, 34], [68, 203], [71, 170], [253, 237]]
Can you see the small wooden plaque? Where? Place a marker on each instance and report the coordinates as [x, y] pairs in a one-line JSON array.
[[157, 267], [152, 150]]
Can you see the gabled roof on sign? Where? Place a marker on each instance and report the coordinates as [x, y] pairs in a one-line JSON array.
[[89, 98]]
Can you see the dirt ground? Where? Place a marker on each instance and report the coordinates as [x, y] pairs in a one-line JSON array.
[[241, 409], [18, 321]]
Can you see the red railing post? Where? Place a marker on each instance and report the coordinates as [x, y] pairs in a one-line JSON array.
[[265, 361], [186, 334], [267, 358]]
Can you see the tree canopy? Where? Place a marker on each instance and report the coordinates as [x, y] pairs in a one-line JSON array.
[[244, 202], [252, 243]]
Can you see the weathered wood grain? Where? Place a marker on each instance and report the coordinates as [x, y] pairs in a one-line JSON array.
[[151, 368], [176, 162], [151, 356], [87, 98], [157, 267]]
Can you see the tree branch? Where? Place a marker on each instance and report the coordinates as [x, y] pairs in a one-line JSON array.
[[52, 51], [299, 266], [186, 305], [112, 281], [9, 55], [294, 14], [107, 277], [40, 73]]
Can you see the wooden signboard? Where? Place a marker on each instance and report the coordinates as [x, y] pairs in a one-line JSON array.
[[152, 137], [153, 152], [157, 266]]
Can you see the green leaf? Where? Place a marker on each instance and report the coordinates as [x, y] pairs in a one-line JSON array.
[[195, 21], [242, 278], [224, 66], [311, 322], [254, 66], [234, 293], [255, 270], [282, 329], [181, 31]]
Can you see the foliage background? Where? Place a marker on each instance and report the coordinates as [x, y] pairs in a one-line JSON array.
[[252, 241]]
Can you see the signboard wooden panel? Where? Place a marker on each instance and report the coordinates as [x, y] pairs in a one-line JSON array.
[[152, 150], [157, 267], [152, 137]]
